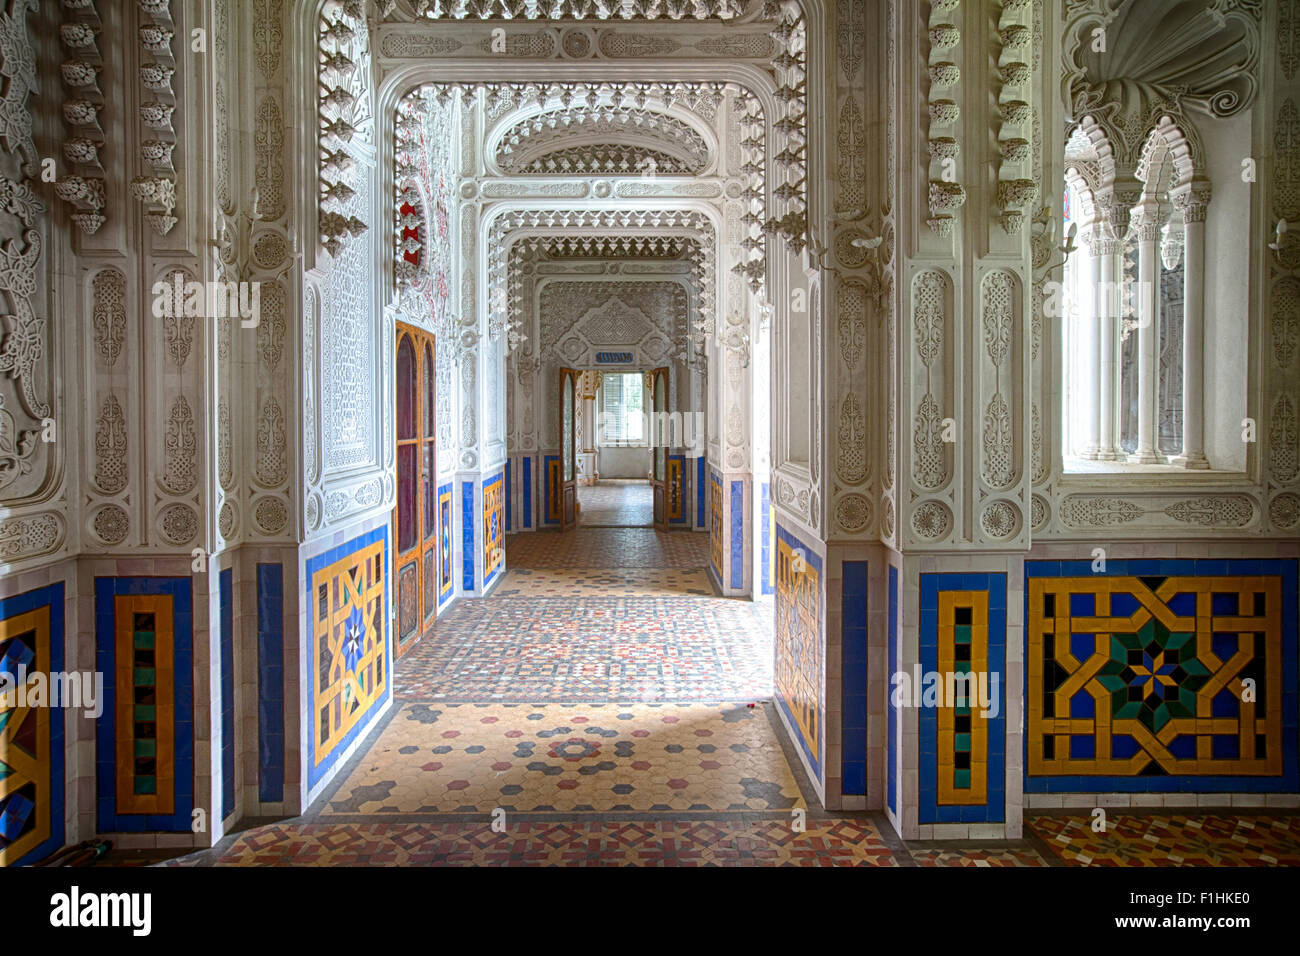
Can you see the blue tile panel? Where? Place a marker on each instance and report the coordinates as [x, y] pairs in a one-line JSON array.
[[15, 807], [1186, 605], [467, 535], [446, 528], [509, 468], [316, 771], [107, 819], [701, 488], [766, 584], [737, 534], [270, 682], [225, 589], [853, 655], [891, 764], [993, 810], [528, 492], [812, 749]]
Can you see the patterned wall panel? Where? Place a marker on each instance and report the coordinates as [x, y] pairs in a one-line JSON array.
[[715, 525], [891, 750], [737, 534], [963, 626], [701, 491], [509, 509], [798, 676], [145, 748], [270, 682], [528, 492], [853, 688], [767, 529], [677, 490], [467, 535], [551, 479], [445, 531], [31, 738], [225, 588], [350, 653], [1176, 675], [494, 540]]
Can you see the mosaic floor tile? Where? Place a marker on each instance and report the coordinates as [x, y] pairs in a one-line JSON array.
[[599, 582], [635, 843], [616, 503], [453, 758], [1209, 839], [585, 649], [977, 856], [608, 548]]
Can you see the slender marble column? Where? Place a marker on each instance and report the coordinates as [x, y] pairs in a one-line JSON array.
[[1106, 249], [1194, 206], [1148, 232], [1090, 345]]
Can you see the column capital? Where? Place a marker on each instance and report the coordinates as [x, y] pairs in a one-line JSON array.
[[1100, 240], [1193, 201]]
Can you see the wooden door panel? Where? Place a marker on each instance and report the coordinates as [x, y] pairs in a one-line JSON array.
[[568, 412], [659, 438], [415, 515]]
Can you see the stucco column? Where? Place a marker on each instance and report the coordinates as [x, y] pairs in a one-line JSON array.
[[1091, 345], [1106, 249], [1148, 231], [1193, 206]]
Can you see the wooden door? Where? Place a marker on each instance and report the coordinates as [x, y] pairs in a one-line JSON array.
[[659, 438], [567, 487], [416, 516]]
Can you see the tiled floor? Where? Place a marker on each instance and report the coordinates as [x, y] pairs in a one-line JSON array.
[[616, 503], [594, 615], [607, 548], [604, 708], [458, 758], [1214, 838]]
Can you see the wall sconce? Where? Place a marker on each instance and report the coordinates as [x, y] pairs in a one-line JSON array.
[[1047, 235], [1280, 243]]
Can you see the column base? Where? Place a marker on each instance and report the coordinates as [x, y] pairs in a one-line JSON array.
[[1194, 461], [1146, 457]]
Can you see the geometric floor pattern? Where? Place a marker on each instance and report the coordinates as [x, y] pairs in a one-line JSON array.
[[635, 621], [616, 502], [670, 840], [457, 758], [608, 548], [585, 649], [637, 843], [1212, 838]]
